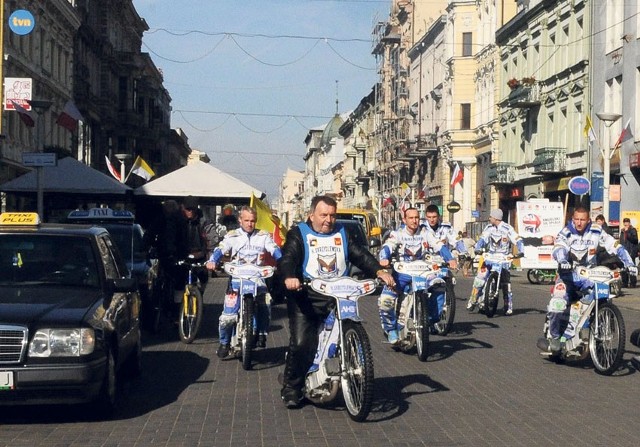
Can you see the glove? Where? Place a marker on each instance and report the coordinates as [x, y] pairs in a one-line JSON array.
[[478, 252], [519, 255], [564, 265], [633, 270]]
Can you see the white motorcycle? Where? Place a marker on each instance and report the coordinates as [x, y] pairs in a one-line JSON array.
[[496, 263], [414, 311], [595, 327], [343, 359], [251, 277]]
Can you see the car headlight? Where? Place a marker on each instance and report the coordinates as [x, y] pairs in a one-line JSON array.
[[62, 342]]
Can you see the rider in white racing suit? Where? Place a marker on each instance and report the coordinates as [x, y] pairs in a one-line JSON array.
[[245, 245], [498, 237], [443, 231], [579, 242], [411, 242]]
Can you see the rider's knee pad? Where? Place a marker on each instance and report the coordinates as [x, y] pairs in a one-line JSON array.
[[228, 320], [557, 305], [387, 301]]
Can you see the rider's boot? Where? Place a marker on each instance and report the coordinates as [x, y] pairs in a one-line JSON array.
[[262, 341], [393, 337], [508, 305], [473, 299]]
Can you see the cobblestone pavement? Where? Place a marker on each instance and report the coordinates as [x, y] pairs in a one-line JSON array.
[[484, 384]]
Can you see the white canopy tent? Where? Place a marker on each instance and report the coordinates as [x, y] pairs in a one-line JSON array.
[[198, 179], [69, 176]]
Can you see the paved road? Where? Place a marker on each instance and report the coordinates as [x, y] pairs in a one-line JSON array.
[[484, 385]]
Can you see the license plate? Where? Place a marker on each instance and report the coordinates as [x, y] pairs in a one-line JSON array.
[[6, 380]]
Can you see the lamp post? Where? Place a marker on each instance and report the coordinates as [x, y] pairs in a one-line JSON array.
[[122, 158], [608, 119], [40, 106]]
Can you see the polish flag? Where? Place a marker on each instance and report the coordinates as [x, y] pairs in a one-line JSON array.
[[457, 175], [624, 135], [25, 115], [112, 170], [69, 117]]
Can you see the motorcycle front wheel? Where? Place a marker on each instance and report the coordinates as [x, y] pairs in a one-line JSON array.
[[491, 292], [421, 323], [248, 313], [606, 344], [357, 371], [448, 311]]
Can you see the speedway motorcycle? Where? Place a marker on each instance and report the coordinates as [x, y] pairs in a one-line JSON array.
[[343, 360], [596, 327], [497, 263], [413, 316], [250, 277]]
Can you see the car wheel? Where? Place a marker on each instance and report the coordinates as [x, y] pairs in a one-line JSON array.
[[133, 367], [108, 399]]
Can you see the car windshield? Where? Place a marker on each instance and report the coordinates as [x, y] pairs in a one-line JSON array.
[[356, 230], [127, 239], [32, 259]]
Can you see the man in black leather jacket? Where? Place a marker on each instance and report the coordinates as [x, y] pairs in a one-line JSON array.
[[316, 248]]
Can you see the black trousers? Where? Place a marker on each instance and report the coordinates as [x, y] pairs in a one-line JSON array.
[[306, 311]]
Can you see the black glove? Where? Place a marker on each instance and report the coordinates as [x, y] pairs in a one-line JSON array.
[[519, 255], [478, 252]]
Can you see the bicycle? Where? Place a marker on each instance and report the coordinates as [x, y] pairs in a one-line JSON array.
[[191, 309]]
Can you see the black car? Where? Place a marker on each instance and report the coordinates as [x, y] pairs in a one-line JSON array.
[[359, 235], [69, 316]]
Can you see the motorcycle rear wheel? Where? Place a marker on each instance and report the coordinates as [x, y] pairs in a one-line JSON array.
[[534, 276], [490, 297], [448, 311], [357, 371], [421, 323], [607, 345], [248, 312]]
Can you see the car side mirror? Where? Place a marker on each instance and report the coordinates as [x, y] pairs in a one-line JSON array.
[[124, 285]]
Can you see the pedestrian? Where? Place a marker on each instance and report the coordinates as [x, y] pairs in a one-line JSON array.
[[629, 240], [317, 248], [467, 264], [600, 220]]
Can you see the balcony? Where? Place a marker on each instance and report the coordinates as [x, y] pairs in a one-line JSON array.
[[550, 160], [524, 96], [364, 174], [502, 173]]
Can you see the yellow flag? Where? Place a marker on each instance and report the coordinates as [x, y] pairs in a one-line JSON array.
[[266, 221], [588, 130]]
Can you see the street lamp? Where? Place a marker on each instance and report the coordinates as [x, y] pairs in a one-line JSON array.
[[608, 119], [40, 106], [122, 158]]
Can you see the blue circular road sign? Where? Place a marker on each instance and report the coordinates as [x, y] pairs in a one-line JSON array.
[[579, 185], [22, 22]]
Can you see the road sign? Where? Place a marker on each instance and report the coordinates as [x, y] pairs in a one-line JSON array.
[[39, 159], [579, 185], [453, 207]]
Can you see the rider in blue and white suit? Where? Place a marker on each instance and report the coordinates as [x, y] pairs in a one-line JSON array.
[[443, 231], [498, 237], [411, 242], [579, 242], [245, 245]]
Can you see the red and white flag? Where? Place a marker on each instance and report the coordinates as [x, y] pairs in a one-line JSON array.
[[69, 117], [112, 170], [25, 115], [457, 175], [624, 135]]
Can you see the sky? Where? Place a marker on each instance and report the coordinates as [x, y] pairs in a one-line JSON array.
[[249, 79]]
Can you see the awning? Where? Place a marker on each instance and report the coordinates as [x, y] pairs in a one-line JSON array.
[[68, 176], [198, 179]]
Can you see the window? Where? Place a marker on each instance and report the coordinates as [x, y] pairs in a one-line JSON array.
[[467, 44], [465, 116]]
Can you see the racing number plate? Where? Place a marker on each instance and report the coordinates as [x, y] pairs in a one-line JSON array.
[[6, 380]]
